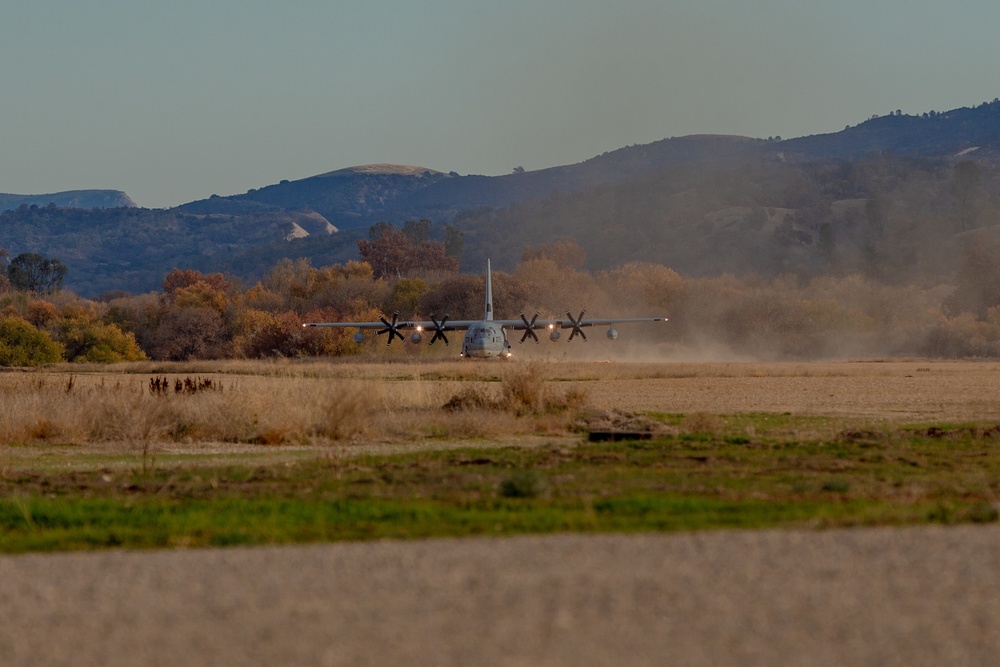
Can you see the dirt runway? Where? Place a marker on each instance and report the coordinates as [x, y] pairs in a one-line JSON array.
[[881, 391]]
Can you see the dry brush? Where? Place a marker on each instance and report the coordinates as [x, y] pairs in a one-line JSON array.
[[281, 404]]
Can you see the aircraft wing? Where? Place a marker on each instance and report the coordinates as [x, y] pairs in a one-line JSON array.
[[393, 328], [440, 327], [455, 325], [574, 323], [520, 325], [448, 325]]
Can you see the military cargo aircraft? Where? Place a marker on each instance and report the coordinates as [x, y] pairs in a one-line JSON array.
[[487, 337]]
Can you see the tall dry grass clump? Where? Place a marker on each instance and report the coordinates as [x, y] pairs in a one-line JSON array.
[[275, 411], [39, 408], [522, 388], [701, 423], [133, 412], [525, 389]]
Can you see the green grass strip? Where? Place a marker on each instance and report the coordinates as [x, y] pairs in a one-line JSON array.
[[47, 524]]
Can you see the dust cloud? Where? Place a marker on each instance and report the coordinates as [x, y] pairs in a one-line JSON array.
[[782, 319]]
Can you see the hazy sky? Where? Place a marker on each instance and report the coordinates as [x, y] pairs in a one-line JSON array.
[[174, 101]]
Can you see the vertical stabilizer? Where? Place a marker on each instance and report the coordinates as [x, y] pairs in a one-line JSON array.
[[489, 294]]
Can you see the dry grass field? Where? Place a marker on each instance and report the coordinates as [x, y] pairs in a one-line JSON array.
[[247, 406]]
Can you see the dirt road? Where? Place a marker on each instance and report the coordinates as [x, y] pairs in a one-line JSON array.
[[881, 391], [922, 596]]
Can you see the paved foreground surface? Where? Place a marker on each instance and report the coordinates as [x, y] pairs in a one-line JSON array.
[[923, 596]]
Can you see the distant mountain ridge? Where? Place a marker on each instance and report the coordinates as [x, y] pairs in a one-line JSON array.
[[360, 196], [695, 202], [943, 134], [70, 199]]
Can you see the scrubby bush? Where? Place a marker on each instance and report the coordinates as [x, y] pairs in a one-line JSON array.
[[98, 342], [23, 345]]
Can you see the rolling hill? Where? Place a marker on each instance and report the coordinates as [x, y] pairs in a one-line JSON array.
[[882, 197]]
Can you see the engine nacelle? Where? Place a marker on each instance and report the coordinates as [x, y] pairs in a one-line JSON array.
[[416, 337], [612, 333], [554, 336], [359, 338]]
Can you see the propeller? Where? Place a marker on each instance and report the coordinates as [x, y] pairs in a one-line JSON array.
[[439, 330], [390, 329], [529, 328], [577, 323]]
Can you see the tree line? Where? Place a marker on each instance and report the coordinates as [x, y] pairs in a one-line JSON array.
[[198, 315]]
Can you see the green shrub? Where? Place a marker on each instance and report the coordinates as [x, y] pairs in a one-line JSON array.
[[98, 342], [522, 484], [23, 345]]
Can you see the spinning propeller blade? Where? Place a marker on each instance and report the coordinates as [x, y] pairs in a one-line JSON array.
[[439, 330], [577, 323], [529, 331], [390, 329]]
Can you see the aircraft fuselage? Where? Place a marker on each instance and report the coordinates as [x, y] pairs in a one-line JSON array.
[[485, 339]]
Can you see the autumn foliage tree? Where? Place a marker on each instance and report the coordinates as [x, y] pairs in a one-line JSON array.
[[194, 332], [196, 315], [262, 334], [297, 286], [181, 278], [461, 296], [393, 252]]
